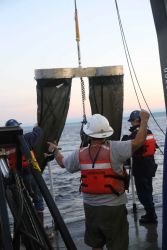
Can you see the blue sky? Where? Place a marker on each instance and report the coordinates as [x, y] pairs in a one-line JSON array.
[[41, 34]]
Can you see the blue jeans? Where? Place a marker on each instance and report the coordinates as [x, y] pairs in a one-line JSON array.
[[144, 191]]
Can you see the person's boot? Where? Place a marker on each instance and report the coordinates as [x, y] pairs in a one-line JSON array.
[[146, 215], [41, 218], [148, 218]]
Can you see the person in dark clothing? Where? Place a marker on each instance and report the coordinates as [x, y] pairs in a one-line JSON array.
[[143, 169], [29, 181]]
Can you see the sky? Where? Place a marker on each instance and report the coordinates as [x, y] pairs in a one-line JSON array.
[[40, 34]]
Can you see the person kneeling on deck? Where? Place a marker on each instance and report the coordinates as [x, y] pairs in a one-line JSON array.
[[102, 181], [29, 181]]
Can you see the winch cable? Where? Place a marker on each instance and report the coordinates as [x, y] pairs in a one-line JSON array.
[[20, 202], [79, 62], [130, 60], [130, 66], [127, 53], [84, 138], [20, 222]]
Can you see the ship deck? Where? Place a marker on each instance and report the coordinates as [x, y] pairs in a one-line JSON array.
[[148, 237]]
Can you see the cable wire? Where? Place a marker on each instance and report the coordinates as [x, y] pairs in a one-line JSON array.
[[79, 61], [130, 66]]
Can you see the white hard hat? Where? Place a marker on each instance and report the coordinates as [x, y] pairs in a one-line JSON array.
[[98, 126]]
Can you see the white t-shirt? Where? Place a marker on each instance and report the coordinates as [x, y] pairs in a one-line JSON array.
[[120, 151]]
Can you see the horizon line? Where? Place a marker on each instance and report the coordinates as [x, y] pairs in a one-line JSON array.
[[79, 119]]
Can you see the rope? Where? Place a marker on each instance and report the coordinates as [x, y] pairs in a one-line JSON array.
[[130, 65], [79, 61], [126, 53]]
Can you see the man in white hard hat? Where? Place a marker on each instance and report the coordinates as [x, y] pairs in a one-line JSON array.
[[102, 181]]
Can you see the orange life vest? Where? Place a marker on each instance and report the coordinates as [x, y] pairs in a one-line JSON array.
[[11, 157], [24, 162], [99, 177], [149, 147], [33, 161]]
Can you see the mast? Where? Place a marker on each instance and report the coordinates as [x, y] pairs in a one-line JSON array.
[[159, 10]]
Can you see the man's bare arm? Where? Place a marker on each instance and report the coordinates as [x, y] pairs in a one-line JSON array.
[[58, 156]]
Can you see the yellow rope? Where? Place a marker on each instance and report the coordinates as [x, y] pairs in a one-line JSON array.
[[34, 162], [77, 26]]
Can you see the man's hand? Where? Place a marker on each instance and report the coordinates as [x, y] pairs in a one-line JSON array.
[[52, 146], [55, 150], [144, 115]]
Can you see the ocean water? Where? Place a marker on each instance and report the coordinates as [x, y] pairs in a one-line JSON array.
[[66, 186]]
